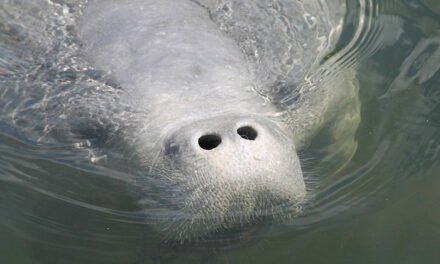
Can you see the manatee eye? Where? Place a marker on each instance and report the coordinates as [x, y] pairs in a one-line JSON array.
[[247, 132], [172, 149], [209, 142]]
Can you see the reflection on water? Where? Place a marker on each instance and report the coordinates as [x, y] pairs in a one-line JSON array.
[[382, 207]]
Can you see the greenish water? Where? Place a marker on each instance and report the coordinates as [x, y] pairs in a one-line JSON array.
[[382, 207]]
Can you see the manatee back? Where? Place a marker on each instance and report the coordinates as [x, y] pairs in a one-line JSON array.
[[167, 55], [209, 56]]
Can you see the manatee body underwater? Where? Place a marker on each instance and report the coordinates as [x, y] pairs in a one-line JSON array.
[[213, 100]]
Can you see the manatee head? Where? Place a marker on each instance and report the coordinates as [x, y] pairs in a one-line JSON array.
[[226, 172], [216, 156]]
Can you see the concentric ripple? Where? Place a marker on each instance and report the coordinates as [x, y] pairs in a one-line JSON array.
[[66, 198]]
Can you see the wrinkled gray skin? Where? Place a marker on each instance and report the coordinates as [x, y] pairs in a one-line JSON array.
[[176, 63], [193, 80], [190, 76]]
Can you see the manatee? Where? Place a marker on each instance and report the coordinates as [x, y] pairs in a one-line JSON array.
[[215, 124]]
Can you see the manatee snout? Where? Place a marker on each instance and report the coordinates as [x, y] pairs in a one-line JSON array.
[[228, 170]]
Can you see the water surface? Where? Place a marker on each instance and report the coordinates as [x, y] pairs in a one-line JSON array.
[[382, 207]]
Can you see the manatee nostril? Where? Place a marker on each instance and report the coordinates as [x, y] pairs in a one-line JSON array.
[[247, 132], [209, 142]]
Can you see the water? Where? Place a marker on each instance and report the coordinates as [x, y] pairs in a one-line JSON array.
[[382, 207]]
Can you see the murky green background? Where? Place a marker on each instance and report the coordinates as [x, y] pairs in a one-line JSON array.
[[383, 207]]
